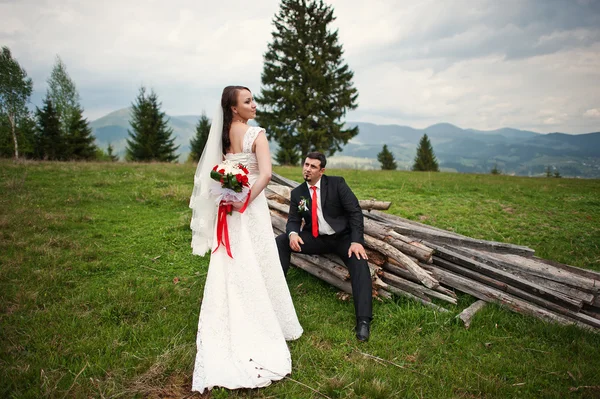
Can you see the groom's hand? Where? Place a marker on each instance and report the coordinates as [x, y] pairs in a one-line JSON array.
[[358, 250], [295, 242]]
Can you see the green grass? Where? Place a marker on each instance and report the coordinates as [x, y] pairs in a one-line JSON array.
[[99, 292]]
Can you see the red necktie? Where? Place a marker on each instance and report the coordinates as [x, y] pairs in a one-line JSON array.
[[313, 211]]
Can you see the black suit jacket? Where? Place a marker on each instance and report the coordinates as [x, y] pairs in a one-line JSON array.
[[340, 208]]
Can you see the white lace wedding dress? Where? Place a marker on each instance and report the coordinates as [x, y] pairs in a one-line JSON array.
[[247, 312]]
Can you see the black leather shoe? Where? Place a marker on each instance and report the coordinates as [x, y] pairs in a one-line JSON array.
[[362, 331]]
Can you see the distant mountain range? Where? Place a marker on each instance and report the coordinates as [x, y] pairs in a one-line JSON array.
[[513, 151]]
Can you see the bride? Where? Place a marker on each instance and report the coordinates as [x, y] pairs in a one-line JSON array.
[[247, 312]]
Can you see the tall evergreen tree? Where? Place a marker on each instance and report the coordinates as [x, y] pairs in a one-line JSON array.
[[49, 140], [15, 90], [79, 140], [306, 86], [425, 159], [150, 137], [386, 158], [198, 142]]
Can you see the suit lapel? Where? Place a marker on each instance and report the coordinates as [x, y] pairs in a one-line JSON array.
[[323, 193], [306, 194]]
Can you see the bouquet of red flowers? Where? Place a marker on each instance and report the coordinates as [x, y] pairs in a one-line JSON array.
[[231, 185], [233, 182], [232, 176]]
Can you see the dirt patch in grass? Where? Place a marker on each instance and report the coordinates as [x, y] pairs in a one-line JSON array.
[[153, 384], [508, 209]]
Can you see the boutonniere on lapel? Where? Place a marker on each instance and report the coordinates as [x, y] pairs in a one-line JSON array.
[[303, 205]]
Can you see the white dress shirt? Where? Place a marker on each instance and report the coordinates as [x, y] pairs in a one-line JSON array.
[[324, 227]]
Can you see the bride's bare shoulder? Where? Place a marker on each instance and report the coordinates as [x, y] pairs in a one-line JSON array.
[[237, 130], [236, 137]]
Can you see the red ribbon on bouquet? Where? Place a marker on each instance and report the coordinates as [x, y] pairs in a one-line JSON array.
[[222, 228]]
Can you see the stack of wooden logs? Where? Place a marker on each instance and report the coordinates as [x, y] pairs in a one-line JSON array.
[[423, 263]]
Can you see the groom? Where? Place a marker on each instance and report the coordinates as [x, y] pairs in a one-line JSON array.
[[333, 223]]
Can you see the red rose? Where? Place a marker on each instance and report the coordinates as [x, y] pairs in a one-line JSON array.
[[239, 178], [215, 168], [243, 168], [222, 171]]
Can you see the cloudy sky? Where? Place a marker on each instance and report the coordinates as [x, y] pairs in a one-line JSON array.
[[482, 64]]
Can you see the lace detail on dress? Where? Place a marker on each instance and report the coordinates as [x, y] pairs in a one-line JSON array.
[[249, 137]]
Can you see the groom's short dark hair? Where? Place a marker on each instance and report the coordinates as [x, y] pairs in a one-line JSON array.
[[319, 156]]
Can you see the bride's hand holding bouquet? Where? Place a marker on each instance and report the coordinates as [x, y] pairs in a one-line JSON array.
[[232, 190]]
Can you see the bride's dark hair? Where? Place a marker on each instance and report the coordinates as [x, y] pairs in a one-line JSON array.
[[228, 100]]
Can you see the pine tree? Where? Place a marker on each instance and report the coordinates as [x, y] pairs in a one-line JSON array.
[[287, 154], [386, 158], [150, 138], [79, 140], [495, 170], [15, 90], [198, 142], [49, 140], [110, 153], [306, 86], [425, 159]]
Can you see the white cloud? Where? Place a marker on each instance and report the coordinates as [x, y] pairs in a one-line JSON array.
[[480, 64]]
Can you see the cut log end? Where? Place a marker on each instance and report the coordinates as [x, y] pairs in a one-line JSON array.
[[467, 315]]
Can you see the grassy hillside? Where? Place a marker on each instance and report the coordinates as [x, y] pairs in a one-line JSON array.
[[99, 293]]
